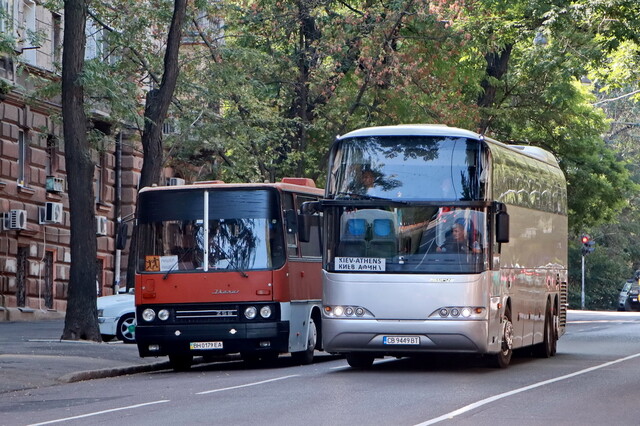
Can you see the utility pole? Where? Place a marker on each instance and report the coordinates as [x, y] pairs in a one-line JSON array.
[[587, 247]]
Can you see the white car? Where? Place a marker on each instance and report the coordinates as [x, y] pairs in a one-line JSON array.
[[117, 317]]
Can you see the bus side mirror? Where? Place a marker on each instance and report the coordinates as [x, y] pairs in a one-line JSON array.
[[308, 214], [121, 236], [502, 224]]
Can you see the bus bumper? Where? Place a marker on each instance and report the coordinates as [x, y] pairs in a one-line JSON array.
[[160, 340], [355, 335]]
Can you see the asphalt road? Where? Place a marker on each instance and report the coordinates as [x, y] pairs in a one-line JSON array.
[[593, 380]]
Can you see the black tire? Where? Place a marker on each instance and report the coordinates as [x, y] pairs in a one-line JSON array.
[[306, 357], [126, 328], [181, 362], [360, 360], [503, 358], [546, 349]]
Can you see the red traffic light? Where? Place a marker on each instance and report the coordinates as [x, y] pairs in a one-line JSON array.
[[585, 239]]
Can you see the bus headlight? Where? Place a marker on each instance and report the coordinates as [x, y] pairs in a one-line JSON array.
[[148, 315], [250, 312], [265, 311], [163, 315], [460, 312], [346, 312]]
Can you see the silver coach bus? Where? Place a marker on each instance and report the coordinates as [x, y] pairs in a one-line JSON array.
[[439, 239]]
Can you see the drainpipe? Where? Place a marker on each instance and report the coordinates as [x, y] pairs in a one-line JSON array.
[[118, 213]]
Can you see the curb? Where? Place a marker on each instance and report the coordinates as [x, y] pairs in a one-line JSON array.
[[104, 373], [28, 314]]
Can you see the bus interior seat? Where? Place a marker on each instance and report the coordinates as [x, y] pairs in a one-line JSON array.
[[383, 240], [353, 243]]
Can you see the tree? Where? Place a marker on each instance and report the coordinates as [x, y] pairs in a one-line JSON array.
[[155, 112], [81, 316]]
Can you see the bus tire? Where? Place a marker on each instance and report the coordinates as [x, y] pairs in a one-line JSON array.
[[306, 357], [503, 358], [360, 360], [546, 349], [180, 362]]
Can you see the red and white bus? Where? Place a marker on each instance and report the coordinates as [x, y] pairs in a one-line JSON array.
[[221, 270]]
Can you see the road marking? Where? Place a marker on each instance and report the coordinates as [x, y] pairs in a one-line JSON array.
[[247, 385], [377, 361], [494, 398], [99, 412]]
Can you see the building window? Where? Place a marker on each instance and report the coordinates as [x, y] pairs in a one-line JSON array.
[[5, 16], [27, 32], [22, 158], [56, 39], [52, 157], [99, 181]]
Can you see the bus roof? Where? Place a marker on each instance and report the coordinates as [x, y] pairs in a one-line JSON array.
[[288, 184], [444, 130]]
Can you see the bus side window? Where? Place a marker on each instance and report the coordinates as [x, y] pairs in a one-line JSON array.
[[292, 238], [312, 247]]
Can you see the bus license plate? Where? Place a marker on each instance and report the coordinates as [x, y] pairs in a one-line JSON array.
[[205, 345], [400, 340]]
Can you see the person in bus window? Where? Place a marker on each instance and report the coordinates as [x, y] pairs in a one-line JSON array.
[[460, 241]]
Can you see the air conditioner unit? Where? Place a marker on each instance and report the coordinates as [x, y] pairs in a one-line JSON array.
[[173, 181], [15, 219], [101, 225], [55, 184], [50, 213]]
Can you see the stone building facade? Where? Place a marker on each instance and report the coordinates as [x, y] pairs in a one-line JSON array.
[[34, 205]]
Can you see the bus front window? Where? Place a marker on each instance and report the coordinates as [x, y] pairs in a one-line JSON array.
[[418, 239], [408, 168], [244, 231]]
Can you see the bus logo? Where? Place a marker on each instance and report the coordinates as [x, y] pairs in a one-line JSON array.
[[218, 291]]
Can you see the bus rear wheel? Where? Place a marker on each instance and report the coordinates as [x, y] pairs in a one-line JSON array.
[[360, 360], [306, 357], [547, 348], [503, 358]]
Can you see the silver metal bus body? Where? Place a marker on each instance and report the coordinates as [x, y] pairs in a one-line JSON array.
[[395, 280]]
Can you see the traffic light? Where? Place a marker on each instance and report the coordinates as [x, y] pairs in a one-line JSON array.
[[588, 245]]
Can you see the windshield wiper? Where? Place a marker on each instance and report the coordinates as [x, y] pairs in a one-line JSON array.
[[228, 259], [364, 197], [180, 259], [359, 196]]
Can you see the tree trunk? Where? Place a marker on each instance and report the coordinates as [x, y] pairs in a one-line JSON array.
[[155, 112], [497, 67], [81, 320]]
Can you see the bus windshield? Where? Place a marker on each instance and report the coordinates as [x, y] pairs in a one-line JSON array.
[[414, 239], [408, 168], [244, 231]]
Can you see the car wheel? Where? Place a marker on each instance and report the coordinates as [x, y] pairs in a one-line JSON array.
[[127, 328]]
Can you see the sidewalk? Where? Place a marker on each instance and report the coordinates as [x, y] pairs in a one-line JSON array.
[[33, 356]]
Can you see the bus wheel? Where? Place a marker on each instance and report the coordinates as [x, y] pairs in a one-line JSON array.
[[306, 357], [180, 362], [503, 358], [360, 360], [546, 349]]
